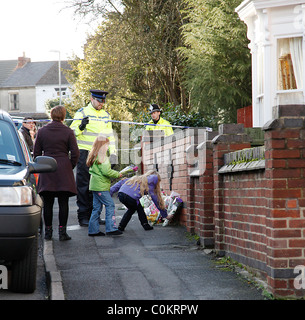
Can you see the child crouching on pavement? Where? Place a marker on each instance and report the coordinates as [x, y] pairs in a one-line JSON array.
[[131, 190], [100, 180]]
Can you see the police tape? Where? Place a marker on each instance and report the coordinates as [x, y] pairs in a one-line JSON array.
[[115, 121]]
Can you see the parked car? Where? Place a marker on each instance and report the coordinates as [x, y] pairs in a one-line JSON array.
[[17, 121], [20, 206]]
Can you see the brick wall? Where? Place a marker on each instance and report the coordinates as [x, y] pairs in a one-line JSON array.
[[252, 211], [245, 218], [168, 156], [285, 221], [230, 138]]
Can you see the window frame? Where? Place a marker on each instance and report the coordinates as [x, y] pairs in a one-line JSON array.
[[278, 67], [12, 104]]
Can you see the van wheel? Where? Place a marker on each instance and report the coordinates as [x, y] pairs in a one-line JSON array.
[[23, 275]]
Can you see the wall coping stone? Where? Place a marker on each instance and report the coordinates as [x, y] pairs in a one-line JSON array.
[[293, 110], [245, 166], [244, 160]]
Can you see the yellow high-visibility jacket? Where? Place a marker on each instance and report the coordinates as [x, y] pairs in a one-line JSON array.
[[167, 130], [97, 125]]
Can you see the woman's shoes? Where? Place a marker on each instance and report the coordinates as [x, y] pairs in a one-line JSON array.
[[48, 232], [63, 236], [100, 234], [62, 232]]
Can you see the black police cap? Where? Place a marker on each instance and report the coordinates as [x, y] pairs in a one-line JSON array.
[[100, 94], [154, 107]]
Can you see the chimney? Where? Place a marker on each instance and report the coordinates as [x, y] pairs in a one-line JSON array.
[[22, 61]]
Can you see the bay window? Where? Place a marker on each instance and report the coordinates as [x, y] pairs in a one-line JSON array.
[[290, 63]]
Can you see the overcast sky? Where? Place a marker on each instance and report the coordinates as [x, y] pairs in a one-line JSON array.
[[37, 26]]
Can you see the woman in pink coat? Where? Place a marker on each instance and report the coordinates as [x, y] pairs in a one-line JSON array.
[[58, 141]]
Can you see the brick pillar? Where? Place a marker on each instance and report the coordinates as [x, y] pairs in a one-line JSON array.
[[205, 192], [285, 221], [199, 158], [231, 138]]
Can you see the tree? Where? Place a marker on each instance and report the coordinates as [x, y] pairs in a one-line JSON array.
[[135, 50], [104, 67], [156, 25], [188, 53], [217, 58]]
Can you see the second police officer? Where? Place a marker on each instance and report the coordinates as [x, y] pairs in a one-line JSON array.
[[158, 122]]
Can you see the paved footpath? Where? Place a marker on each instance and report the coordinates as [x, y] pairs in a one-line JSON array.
[[161, 264]]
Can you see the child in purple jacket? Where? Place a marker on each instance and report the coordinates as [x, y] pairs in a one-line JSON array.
[[131, 190]]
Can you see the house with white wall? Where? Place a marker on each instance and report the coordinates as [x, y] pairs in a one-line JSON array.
[[25, 91], [276, 30]]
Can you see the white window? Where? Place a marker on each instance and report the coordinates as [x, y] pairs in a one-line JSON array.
[[14, 101], [62, 90], [290, 63]]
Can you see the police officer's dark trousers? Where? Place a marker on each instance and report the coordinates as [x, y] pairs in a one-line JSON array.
[[84, 196]]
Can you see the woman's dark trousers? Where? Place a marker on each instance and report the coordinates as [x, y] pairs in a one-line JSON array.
[[63, 203]]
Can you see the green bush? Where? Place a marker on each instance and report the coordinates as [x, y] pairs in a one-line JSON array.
[[177, 117]]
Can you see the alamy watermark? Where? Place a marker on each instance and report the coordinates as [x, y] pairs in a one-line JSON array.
[[3, 277], [299, 280], [134, 153]]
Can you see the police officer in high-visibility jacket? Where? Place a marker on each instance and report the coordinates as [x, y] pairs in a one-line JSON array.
[[156, 119], [88, 123]]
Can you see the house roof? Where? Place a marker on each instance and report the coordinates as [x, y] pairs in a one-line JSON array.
[[36, 73], [6, 68], [34, 115], [51, 77]]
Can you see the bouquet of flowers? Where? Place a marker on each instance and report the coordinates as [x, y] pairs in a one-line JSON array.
[[129, 169], [172, 203], [150, 209]]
